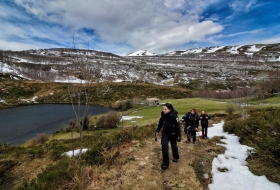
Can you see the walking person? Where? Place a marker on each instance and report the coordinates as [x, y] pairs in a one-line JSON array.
[[191, 120], [204, 123], [171, 132]]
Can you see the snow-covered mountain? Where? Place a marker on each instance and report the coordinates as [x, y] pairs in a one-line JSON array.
[[268, 49], [141, 53], [220, 64]]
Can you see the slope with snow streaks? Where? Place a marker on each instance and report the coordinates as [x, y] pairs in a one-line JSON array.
[[141, 53], [255, 48]]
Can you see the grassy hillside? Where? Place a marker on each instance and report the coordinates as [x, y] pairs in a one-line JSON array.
[[18, 92]]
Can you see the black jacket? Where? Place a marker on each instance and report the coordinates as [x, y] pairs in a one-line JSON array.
[[170, 124], [203, 120], [191, 120]]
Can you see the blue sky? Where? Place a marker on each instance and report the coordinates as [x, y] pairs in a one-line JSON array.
[[124, 26]]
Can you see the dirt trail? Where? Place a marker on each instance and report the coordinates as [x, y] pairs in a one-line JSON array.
[[181, 175], [138, 167]]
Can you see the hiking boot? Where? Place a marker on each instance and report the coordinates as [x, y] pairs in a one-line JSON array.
[[175, 160], [164, 167], [193, 142]]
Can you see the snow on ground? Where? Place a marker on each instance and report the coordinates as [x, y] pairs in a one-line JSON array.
[[68, 79], [167, 64], [248, 53], [141, 53], [214, 49], [198, 50], [275, 59], [124, 118], [234, 50], [72, 153], [6, 68], [254, 48], [236, 175], [30, 100]]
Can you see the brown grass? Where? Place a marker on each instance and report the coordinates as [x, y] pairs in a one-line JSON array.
[[137, 166]]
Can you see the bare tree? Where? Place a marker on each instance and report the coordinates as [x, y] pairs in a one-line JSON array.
[[79, 90], [242, 97]]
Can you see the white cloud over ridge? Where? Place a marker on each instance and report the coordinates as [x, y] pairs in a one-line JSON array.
[[125, 26], [155, 25]]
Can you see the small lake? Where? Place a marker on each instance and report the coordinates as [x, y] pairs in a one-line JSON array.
[[17, 125]]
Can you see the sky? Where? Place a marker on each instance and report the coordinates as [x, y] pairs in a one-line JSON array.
[[125, 26]]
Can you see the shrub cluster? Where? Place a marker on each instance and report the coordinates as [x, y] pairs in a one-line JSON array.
[[108, 121], [40, 138], [123, 105]]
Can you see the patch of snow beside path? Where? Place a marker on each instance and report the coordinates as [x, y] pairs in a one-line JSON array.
[[236, 175]]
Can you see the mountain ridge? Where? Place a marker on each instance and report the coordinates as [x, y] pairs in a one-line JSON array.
[[226, 66], [236, 49]]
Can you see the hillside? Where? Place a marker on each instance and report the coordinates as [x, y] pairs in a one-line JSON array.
[[223, 67], [141, 53], [130, 158], [15, 91], [123, 159]]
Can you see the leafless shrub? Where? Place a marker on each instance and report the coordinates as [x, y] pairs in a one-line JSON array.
[[112, 119], [40, 138], [101, 121], [230, 110], [109, 121]]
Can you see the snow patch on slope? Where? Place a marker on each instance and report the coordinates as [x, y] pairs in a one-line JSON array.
[[141, 53], [234, 50], [214, 49], [235, 174], [254, 48]]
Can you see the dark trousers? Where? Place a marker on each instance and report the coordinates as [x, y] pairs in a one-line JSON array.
[[164, 143], [204, 130], [191, 133]]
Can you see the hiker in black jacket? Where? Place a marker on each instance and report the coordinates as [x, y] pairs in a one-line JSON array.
[[171, 132], [191, 120], [204, 123]]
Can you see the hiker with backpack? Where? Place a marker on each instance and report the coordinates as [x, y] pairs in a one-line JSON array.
[[191, 120], [171, 132], [204, 123]]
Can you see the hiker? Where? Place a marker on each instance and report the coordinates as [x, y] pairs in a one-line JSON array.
[[171, 132], [204, 123], [191, 120]]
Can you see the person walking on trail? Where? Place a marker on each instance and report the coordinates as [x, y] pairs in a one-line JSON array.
[[171, 132], [204, 123], [191, 120]]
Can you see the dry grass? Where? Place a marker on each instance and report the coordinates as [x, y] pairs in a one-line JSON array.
[[138, 167], [133, 165]]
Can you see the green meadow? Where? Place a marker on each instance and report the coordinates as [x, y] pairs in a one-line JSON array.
[[151, 115]]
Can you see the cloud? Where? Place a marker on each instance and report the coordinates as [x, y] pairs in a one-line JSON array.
[[271, 40], [245, 33], [17, 46], [245, 5], [141, 24]]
